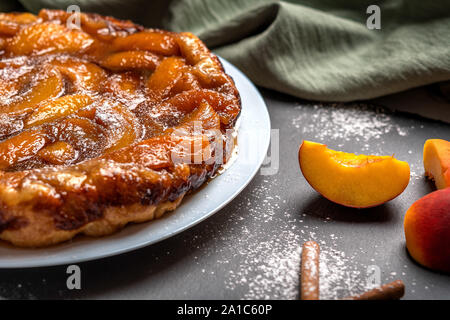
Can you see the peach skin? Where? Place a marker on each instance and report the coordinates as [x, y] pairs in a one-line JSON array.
[[436, 160], [351, 180], [427, 230]]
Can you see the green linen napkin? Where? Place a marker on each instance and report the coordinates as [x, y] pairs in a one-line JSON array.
[[313, 49]]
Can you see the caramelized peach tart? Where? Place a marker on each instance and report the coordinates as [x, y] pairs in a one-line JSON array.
[[104, 123]]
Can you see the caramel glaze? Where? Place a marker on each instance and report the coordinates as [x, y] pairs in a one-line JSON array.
[[91, 118]]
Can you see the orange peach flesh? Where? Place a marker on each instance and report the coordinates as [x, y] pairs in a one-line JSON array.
[[436, 160], [352, 180], [427, 230]]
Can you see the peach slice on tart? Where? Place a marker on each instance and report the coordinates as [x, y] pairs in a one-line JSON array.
[[84, 76], [166, 75], [48, 38], [152, 41], [58, 108], [358, 181], [126, 60], [57, 153], [427, 230], [48, 85], [436, 160], [21, 147], [10, 23]]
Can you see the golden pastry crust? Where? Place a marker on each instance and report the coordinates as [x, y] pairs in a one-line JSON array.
[[40, 231], [104, 125]]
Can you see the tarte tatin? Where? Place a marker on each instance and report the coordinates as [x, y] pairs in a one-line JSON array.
[[104, 123]]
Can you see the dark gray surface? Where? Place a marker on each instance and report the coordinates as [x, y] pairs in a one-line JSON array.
[[251, 248]]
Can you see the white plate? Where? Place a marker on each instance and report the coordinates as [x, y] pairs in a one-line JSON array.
[[253, 142]]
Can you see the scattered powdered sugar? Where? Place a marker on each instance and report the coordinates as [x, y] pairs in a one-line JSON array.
[[347, 122], [270, 269], [339, 276], [416, 170], [16, 292]]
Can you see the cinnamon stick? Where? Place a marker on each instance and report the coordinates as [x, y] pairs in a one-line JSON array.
[[310, 271], [391, 291]]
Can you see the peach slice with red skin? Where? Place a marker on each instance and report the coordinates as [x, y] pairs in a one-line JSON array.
[[358, 181], [427, 230], [436, 160]]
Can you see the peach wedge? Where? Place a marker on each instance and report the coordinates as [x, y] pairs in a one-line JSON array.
[[436, 160], [351, 180]]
